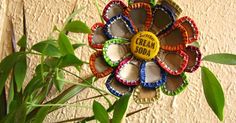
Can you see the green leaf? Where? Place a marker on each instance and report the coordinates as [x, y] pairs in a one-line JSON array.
[[11, 95], [74, 13], [44, 91], [58, 80], [18, 115], [5, 67], [64, 44], [48, 48], [22, 42], [62, 98], [110, 109], [55, 28], [20, 72], [41, 114], [34, 84], [41, 95], [3, 104], [15, 103], [75, 46], [120, 109], [222, 58], [52, 62], [100, 112], [213, 92], [69, 93], [38, 71], [196, 44], [77, 27], [70, 60]]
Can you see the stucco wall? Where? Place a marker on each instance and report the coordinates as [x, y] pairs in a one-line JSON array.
[[216, 22]]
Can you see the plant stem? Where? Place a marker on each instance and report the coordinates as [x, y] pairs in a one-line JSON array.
[[3, 102], [109, 102], [74, 75], [56, 105], [92, 117], [89, 86], [91, 97], [41, 67], [80, 84], [134, 112], [99, 12]]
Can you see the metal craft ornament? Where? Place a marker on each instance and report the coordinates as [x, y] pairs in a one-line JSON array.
[[122, 51], [152, 2], [113, 8], [194, 59], [174, 39], [128, 77], [191, 28], [98, 65], [175, 8], [97, 38], [147, 49], [140, 15], [154, 67], [174, 84], [176, 65], [145, 45], [163, 19], [144, 95], [124, 29], [117, 88]]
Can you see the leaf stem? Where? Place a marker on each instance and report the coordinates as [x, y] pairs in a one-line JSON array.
[[91, 97], [91, 86], [56, 105], [41, 67], [109, 102], [99, 12], [34, 53]]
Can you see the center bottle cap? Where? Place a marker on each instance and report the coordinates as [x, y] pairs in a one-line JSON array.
[[145, 45]]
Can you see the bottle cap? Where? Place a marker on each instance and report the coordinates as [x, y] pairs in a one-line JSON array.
[[145, 45]]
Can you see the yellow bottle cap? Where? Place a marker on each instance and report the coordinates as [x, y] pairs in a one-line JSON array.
[[145, 45]]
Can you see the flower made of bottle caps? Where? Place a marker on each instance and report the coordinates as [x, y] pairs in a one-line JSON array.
[[144, 47]]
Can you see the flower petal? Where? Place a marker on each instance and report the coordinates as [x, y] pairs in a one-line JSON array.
[[191, 28], [97, 37], [119, 27], [140, 14], [98, 65], [163, 19], [153, 2], [146, 95], [128, 71], [117, 88], [174, 84], [173, 62], [194, 58], [113, 8], [151, 75], [115, 50], [175, 39], [172, 6]]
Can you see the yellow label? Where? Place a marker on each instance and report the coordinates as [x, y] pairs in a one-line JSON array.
[[145, 45]]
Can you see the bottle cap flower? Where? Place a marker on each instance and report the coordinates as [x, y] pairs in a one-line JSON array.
[[144, 47]]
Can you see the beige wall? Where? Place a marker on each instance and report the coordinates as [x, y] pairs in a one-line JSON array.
[[215, 19]]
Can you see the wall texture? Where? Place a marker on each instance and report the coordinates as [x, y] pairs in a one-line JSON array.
[[216, 22]]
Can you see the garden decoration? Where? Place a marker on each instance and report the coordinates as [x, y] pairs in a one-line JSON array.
[[145, 47]]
